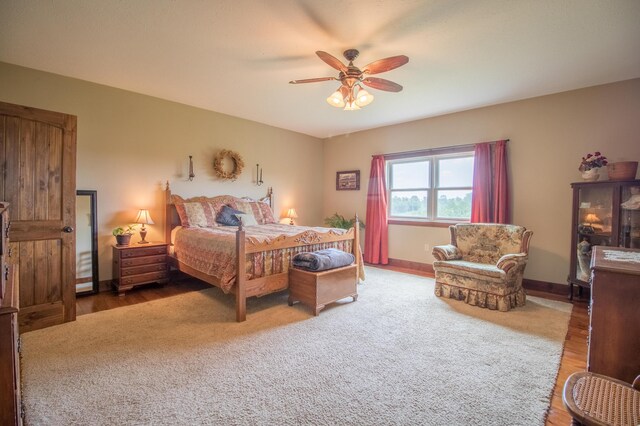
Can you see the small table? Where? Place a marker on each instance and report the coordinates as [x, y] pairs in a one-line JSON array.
[[138, 264], [318, 289]]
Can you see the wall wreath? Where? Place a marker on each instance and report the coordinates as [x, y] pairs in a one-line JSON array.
[[238, 165]]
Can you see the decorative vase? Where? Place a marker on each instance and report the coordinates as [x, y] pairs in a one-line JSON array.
[[591, 175]]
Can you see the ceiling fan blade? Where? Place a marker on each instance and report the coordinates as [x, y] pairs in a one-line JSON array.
[[312, 80], [382, 84], [386, 64], [332, 61]]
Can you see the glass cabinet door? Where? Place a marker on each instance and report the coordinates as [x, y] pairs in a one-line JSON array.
[[595, 219], [629, 233]]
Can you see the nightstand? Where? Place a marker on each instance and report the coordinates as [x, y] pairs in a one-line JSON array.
[[139, 264]]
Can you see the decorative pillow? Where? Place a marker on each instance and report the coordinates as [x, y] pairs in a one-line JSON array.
[[227, 216], [245, 206], [260, 211], [247, 219], [265, 214], [197, 214]]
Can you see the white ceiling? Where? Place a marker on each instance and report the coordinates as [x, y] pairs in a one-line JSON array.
[[237, 56]]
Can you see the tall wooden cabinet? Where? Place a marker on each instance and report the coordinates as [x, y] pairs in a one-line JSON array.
[[10, 403], [605, 213], [614, 314]]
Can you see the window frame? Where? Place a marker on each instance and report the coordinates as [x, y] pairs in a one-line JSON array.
[[433, 157]]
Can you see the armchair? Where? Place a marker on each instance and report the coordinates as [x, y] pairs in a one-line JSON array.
[[483, 265]]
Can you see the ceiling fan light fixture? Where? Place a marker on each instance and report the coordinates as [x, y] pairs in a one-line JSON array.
[[336, 99], [351, 106], [364, 98]]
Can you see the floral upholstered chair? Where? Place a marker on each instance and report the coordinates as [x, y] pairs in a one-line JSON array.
[[483, 265]]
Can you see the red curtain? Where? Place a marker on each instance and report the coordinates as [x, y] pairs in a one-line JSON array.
[[481, 196], [376, 240], [500, 185], [490, 198]]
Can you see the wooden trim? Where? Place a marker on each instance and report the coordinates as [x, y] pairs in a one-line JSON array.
[[414, 266], [104, 285], [429, 224], [545, 286], [56, 119]]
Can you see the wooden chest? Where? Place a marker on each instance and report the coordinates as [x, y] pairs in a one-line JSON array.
[[614, 332], [318, 289], [139, 264]]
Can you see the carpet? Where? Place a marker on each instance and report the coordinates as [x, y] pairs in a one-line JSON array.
[[397, 356]]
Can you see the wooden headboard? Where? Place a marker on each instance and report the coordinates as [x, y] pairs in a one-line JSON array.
[[171, 214]]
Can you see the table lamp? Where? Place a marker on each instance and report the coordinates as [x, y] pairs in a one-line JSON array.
[[291, 214], [144, 218]]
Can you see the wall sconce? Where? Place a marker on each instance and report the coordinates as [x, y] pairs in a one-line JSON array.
[[191, 174], [258, 175], [144, 218], [291, 214]]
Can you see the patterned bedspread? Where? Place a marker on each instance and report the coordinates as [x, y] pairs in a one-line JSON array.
[[212, 250]]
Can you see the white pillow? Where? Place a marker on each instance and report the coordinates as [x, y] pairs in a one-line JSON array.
[[247, 219]]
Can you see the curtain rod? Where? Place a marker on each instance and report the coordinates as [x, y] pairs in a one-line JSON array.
[[448, 149]]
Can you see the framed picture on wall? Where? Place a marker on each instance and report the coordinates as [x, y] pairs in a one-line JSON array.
[[348, 181]]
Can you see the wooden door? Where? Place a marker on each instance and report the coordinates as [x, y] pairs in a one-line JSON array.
[[38, 158]]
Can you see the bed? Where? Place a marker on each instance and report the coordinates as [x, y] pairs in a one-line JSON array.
[[215, 254]]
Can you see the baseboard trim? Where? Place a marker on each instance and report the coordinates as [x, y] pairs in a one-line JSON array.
[[104, 286], [528, 284], [426, 268], [545, 286]]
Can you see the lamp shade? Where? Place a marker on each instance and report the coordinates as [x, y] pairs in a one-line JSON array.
[[292, 214], [591, 217], [144, 217], [364, 98], [336, 99]]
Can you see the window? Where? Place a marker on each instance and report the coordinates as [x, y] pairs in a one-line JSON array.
[[434, 187]]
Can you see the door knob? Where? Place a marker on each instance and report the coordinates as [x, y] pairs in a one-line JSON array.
[[67, 229]]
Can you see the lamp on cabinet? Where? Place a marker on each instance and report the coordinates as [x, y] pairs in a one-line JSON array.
[[144, 218]]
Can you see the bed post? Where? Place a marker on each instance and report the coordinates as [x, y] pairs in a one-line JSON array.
[[241, 276], [270, 195], [356, 243], [167, 215]]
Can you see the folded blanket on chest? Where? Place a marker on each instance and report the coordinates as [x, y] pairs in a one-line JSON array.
[[322, 260]]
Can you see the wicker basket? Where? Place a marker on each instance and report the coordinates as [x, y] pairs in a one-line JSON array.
[[623, 170]]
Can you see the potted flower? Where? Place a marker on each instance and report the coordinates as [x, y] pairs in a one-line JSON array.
[[123, 234], [590, 165]]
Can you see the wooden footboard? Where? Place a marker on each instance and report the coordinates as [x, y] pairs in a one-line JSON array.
[[243, 287]]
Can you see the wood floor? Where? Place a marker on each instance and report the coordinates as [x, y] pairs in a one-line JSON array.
[[574, 357]]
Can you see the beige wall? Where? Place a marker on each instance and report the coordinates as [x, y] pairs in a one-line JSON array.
[[129, 144], [548, 137]]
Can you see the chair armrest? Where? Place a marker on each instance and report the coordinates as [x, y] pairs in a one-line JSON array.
[[636, 384], [446, 252], [509, 261]]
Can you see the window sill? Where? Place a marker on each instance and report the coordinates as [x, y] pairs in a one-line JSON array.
[[427, 223]]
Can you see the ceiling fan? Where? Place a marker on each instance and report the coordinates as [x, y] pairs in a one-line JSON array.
[[350, 94]]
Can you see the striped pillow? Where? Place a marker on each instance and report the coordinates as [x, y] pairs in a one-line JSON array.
[[196, 214]]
